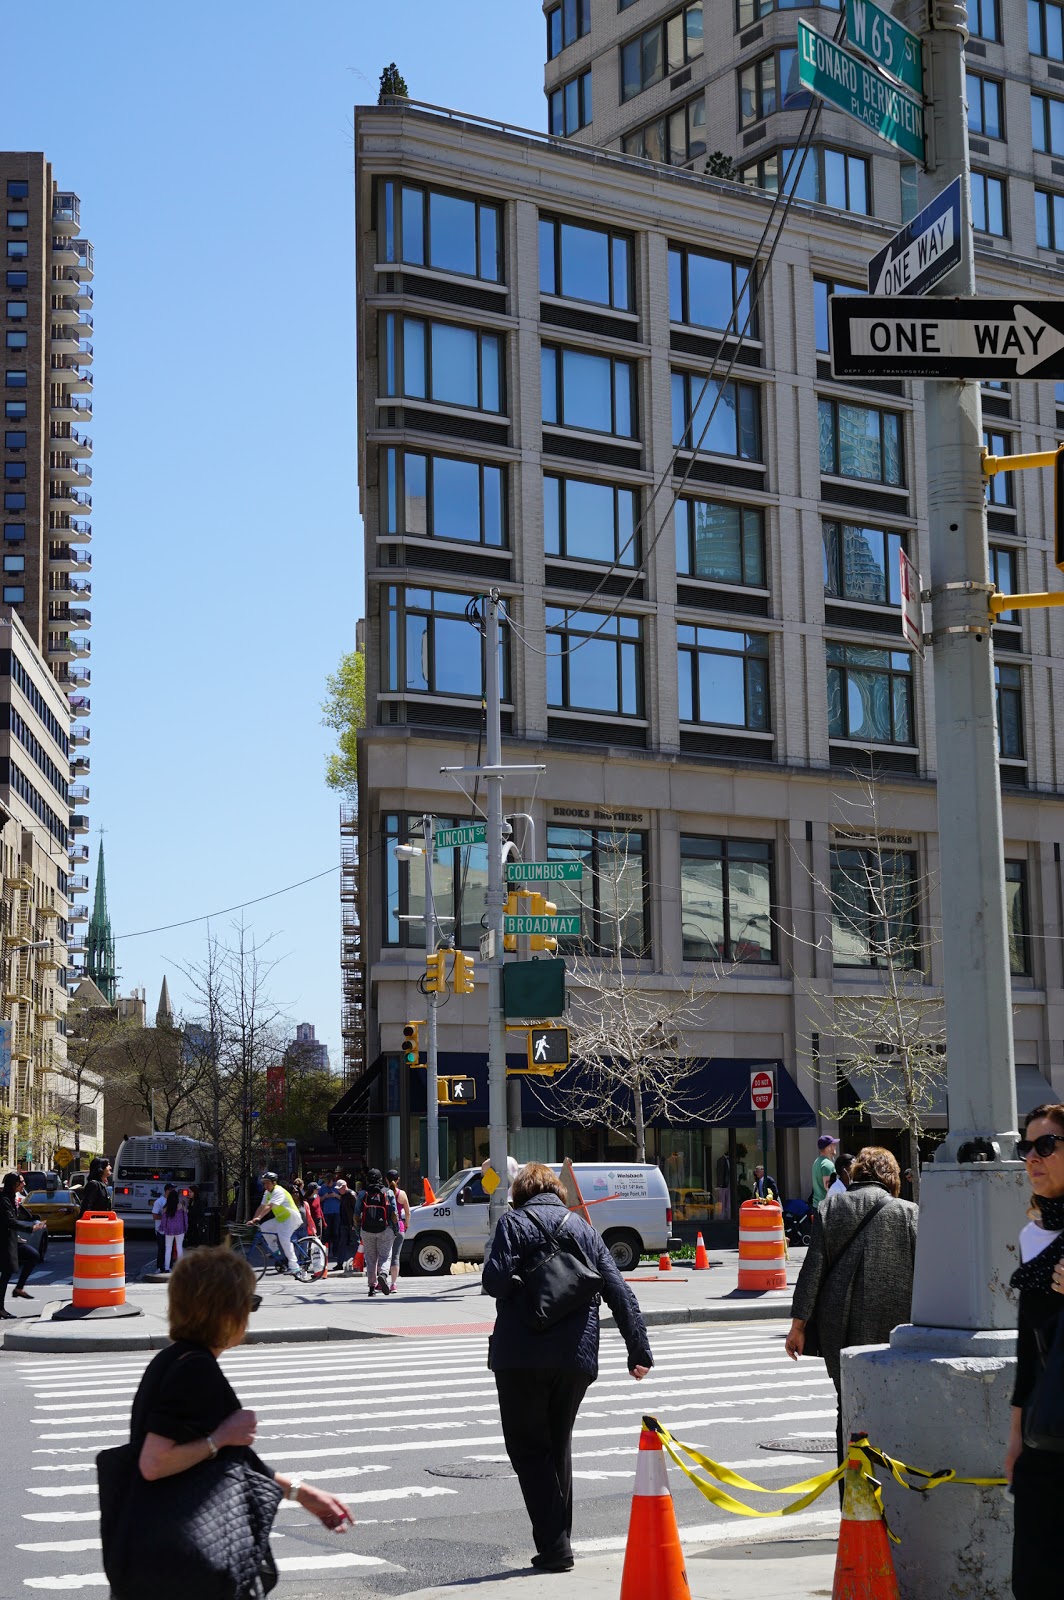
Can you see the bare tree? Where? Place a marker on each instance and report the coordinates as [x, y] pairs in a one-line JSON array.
[[93, 1038], [886, 1031]]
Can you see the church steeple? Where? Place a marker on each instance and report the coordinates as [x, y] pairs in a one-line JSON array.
[[100, 954], [164, 1016]]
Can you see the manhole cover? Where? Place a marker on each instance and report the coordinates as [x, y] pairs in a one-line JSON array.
[[801, 1443], [472, 1469]]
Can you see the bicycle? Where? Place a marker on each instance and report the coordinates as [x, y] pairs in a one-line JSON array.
[[261, 1257]]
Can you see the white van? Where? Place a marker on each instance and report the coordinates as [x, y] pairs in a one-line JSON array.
[[628, 1205]]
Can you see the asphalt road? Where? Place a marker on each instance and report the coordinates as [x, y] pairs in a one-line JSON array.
[[48, 1281], [408, 1433]]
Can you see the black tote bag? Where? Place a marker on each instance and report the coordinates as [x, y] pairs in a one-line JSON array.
[[203, 1533], [1043, 1418], [559, 1282]]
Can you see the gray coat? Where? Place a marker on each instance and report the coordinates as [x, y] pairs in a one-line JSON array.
[[857, 1288]]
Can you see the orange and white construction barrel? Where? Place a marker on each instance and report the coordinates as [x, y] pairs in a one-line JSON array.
[[99, 1261], [762, 1245]]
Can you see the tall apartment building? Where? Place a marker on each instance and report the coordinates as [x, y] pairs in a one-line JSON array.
[[542, 334]]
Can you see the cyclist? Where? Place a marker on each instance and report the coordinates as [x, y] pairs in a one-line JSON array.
[[286, 1218]]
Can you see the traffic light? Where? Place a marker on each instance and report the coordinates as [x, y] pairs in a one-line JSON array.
[[411, 1052], [1058, 508], [435, 979], [462, 973], [512, 909], [541, 907]]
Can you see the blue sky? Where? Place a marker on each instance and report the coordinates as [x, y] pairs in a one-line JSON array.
[[211, 146]]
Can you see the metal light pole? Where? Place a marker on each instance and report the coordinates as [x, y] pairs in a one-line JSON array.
[[496, 903], [431, 923]]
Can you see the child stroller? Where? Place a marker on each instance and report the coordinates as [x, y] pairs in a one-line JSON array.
[[797, 1221]]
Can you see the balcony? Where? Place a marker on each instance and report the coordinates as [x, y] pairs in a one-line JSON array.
[[79, 823], [79, 733], [78, 855], [82, 587], [60, 647], [77, 678], [81, 706], [65, 371], [65, 312], [85, 352], [66, 213], [76, 945], [82, 293], [64, 499], [75, 531], [65, 341], [67, 441], [65, 252], [67, 408], [85, 266], [77, 883], [78, 914], [76, 473], [82, 648]]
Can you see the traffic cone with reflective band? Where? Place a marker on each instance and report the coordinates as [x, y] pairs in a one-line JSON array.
[[430, 1196], [653, 1558], [701, 1254], [665, 1262], [360, 1259], [864, 1567]]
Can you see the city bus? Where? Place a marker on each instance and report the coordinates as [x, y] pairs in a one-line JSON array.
[[144, 1163]]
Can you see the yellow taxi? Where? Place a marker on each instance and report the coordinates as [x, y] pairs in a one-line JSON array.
[[58, 1208]]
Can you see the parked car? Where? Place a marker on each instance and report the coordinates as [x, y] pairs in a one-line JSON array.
[[628, 1205], [57, 1207]]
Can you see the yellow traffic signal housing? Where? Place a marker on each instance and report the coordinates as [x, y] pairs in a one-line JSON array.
[[435, 979], [411, 1052], [512, 909], [541, 907], [462, 973]]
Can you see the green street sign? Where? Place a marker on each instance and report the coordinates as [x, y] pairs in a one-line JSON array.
[[861, 91], [883, 40], [554, 926], [454, 838], [544, 871]]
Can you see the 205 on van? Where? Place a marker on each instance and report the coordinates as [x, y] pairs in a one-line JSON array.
[[628, 1205]]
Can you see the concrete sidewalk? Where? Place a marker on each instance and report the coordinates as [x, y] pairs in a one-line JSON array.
[[339, 1308]]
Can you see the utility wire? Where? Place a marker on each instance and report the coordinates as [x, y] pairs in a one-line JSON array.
[[207, 915]]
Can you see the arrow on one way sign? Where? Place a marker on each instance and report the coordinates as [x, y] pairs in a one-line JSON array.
[[962, 338], [923, 251]]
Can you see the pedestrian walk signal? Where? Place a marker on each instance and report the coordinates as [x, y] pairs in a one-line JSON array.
[[411, 1052], [435, 979], [456, 1091], [548, 1049], [462, 973]]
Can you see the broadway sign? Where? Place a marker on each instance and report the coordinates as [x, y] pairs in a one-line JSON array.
[[914, 337]]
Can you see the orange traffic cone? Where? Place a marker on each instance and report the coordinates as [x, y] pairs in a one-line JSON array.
[[864, 1567], [665, 1262], [360, 1259], [430, 1196], [701, 1254], [653, 1559]]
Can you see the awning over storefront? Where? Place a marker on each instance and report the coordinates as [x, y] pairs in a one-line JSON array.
[[1032, 1089]]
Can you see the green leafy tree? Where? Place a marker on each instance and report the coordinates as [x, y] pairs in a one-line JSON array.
[[718, 165], [392, 83], [345, 712]]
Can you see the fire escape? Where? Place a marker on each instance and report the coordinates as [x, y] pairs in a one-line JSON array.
[[349, 1118]]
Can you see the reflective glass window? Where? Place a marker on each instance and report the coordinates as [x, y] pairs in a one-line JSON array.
[[444, 497], [862, 563], [1017, 918], [612, 895], [430, 647], [723, 677], [874, 908], [860, 442], [582, 390], [585, 263], [988, 204], [984, 106], [727, 899], [1008, 683], [720, 540], [723, 418], [869, 694], [711, 291], [594, 662], [434, 228], [588, 521]]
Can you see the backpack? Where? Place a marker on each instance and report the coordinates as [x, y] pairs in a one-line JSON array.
[[376, 1210]]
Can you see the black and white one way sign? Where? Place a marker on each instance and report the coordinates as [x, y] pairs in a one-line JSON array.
[[962, 338], [924, 251]]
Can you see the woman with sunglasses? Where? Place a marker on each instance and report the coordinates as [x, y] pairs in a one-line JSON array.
[[1037, 1476]]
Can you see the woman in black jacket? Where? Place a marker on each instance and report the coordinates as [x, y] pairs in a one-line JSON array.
[[1037, 1476], [11, 1225], [93, 1195], [542, 1377]]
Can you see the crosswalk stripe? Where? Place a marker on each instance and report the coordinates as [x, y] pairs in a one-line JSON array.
[[719, 1532], [71, 1545], [69, 1580], [349, 1558]]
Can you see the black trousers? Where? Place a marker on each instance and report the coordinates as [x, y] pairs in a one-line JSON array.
[[1038, 1495], [538, 1406]]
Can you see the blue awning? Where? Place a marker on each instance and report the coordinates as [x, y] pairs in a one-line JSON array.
[[716, 1095]]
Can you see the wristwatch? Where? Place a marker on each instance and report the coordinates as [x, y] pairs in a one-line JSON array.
[[294, 1486], [212, 1447]]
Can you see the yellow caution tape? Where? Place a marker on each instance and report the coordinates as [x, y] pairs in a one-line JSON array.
[[934, 1479]]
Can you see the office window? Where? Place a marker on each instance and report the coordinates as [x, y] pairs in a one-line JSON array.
[[459, 885], [430, 228], [1003, 576], [14, 500], [585, 263], [15, 440], [442, 362], [988, 204], [429, 646], [443, 497], [1045, 34], [723, 677], [662, 49], [1017, 918], [16, 379], [14, 563], [570, 106], [581, 390], [748, 11], [17, 309], [727, 899], [14, 470], [707, 290], [830, 177], [612, 895], [999, 487], [675, 139], [14, 594], [983, 20], [14, 410], [17, 339], [823, 288], [14, 532], [1008, 691], [870, 694], [565, 24], [17, 189], [1049, 219], [720, 540], [771, 84], [17, 280], [17, 249], [862, 564], [874, 906], [985, 106], [588, 521], [594, 662], [860, 442], [18, 219], [1047, 124], [723, 418]]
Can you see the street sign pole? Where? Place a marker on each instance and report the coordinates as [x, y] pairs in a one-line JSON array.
[[950, 1369], [496, 907], [431, 1163]]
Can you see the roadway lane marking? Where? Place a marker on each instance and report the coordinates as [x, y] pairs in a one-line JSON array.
[[349, 1558], [721, 1533], [69, 1580], [62, 1544]]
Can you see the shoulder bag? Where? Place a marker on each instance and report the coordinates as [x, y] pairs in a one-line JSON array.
[[559, 1282], [813, 1346], [1043, 1417]]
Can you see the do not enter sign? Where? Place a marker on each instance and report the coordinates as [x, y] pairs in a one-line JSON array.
[[762, 1090]]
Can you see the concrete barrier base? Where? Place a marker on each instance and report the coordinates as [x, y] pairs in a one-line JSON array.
[[73, 1313]]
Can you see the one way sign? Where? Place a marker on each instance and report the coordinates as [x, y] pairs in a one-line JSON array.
[[962, 338], [924, 251]]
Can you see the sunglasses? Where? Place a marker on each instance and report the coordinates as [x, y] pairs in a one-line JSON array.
[[1043, 1146], [256, 1301]]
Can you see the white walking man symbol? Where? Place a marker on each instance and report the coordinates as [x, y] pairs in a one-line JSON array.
[[540, 1051]]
